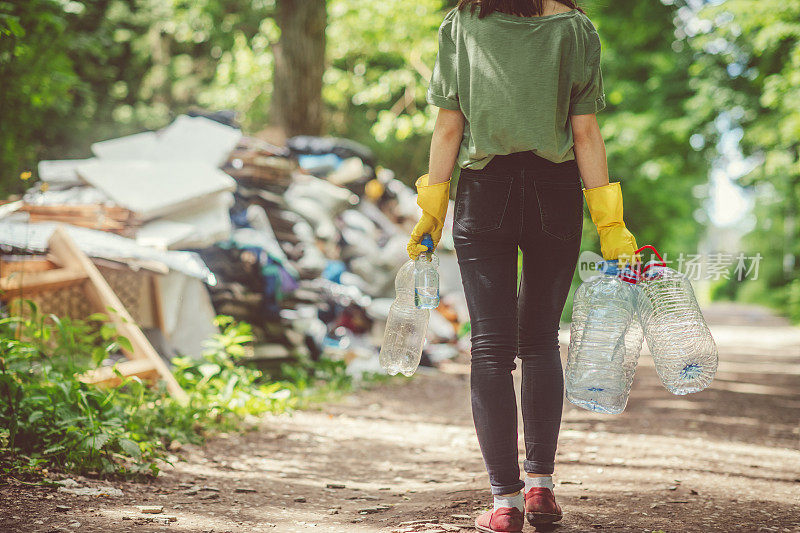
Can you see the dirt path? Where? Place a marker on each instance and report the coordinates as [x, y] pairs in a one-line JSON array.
[[726, 459]]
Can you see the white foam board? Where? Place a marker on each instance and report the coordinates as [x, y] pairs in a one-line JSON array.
[[153, 189], [196, 139], [136, 146], [194, 227], [60, 171]]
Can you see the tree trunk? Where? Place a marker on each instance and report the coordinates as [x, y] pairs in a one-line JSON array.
[[299, 63]]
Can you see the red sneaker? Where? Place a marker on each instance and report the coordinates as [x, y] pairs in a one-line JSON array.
[[503, 520], [541, 506]]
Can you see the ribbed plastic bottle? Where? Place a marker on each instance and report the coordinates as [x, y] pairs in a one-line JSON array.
[[405, 328], [605, 342], [684, 352], [426, 277]]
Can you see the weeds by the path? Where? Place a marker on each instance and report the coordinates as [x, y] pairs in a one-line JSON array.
[[52, 421]]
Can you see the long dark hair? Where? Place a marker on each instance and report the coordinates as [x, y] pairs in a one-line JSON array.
[[522, 8]]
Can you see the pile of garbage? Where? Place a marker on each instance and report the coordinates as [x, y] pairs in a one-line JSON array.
[[302, 241]]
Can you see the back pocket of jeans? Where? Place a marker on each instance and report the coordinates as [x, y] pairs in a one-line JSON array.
[[561, 208], [481, 201]]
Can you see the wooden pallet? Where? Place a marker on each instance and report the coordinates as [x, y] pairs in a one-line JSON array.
[[77, 269]]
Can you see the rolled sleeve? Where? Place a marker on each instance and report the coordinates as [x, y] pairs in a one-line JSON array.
[[443, 87], [588, 94]]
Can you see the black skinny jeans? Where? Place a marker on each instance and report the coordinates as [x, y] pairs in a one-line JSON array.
[[517, 200]]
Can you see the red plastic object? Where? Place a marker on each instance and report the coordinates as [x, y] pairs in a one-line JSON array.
[[636, 267]]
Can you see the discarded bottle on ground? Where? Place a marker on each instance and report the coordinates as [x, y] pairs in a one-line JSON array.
[[405, 328], [684, 352], [605, 343], [426, 277]]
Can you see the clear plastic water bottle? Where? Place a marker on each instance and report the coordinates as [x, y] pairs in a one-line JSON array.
[[605, 343], [684, 352], [426, 277], [405, 328]]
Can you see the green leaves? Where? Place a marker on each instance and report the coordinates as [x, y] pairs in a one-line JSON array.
[[48, 418], [52, 418], [747, 69], [130, 448], [10, 26], [96, 442]]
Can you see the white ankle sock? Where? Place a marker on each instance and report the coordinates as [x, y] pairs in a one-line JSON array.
[[518, 501], [539, 481]]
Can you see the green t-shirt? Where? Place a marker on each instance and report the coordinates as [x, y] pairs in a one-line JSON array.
[[517, 80]]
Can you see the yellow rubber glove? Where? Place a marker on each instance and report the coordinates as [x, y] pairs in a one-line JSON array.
[[433, 199], [605, 207]]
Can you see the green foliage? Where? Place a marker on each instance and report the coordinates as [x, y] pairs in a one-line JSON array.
[[125, 65], [50, 419], [75, 72], [380, 64], [747, 67], [226, 391], [38, 84], [647, 125]]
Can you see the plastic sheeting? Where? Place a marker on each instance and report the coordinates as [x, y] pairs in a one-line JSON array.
[[35, 236], [188, 313]]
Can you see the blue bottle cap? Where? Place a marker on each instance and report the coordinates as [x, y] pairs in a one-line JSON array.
[[427, 241], [609, 267]]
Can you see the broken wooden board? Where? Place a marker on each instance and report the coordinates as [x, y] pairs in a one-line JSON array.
[[19, 284], [106, 376], [95, 216], [25, 263], [66, 251]]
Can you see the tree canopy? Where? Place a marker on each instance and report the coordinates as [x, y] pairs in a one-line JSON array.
[[74, 72]]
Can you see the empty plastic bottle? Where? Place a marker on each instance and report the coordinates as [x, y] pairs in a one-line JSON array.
[[605, 343], [684, 352], [426, 277], [406, 327]]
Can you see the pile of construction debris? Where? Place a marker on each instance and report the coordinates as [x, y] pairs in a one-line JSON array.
[[302, 241]]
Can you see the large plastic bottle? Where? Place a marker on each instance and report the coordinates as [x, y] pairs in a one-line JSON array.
[[684, 352], [426, 277], [405, 328], [605, 343]]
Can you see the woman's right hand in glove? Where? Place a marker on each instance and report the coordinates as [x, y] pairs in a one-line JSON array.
[[433, 199]]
